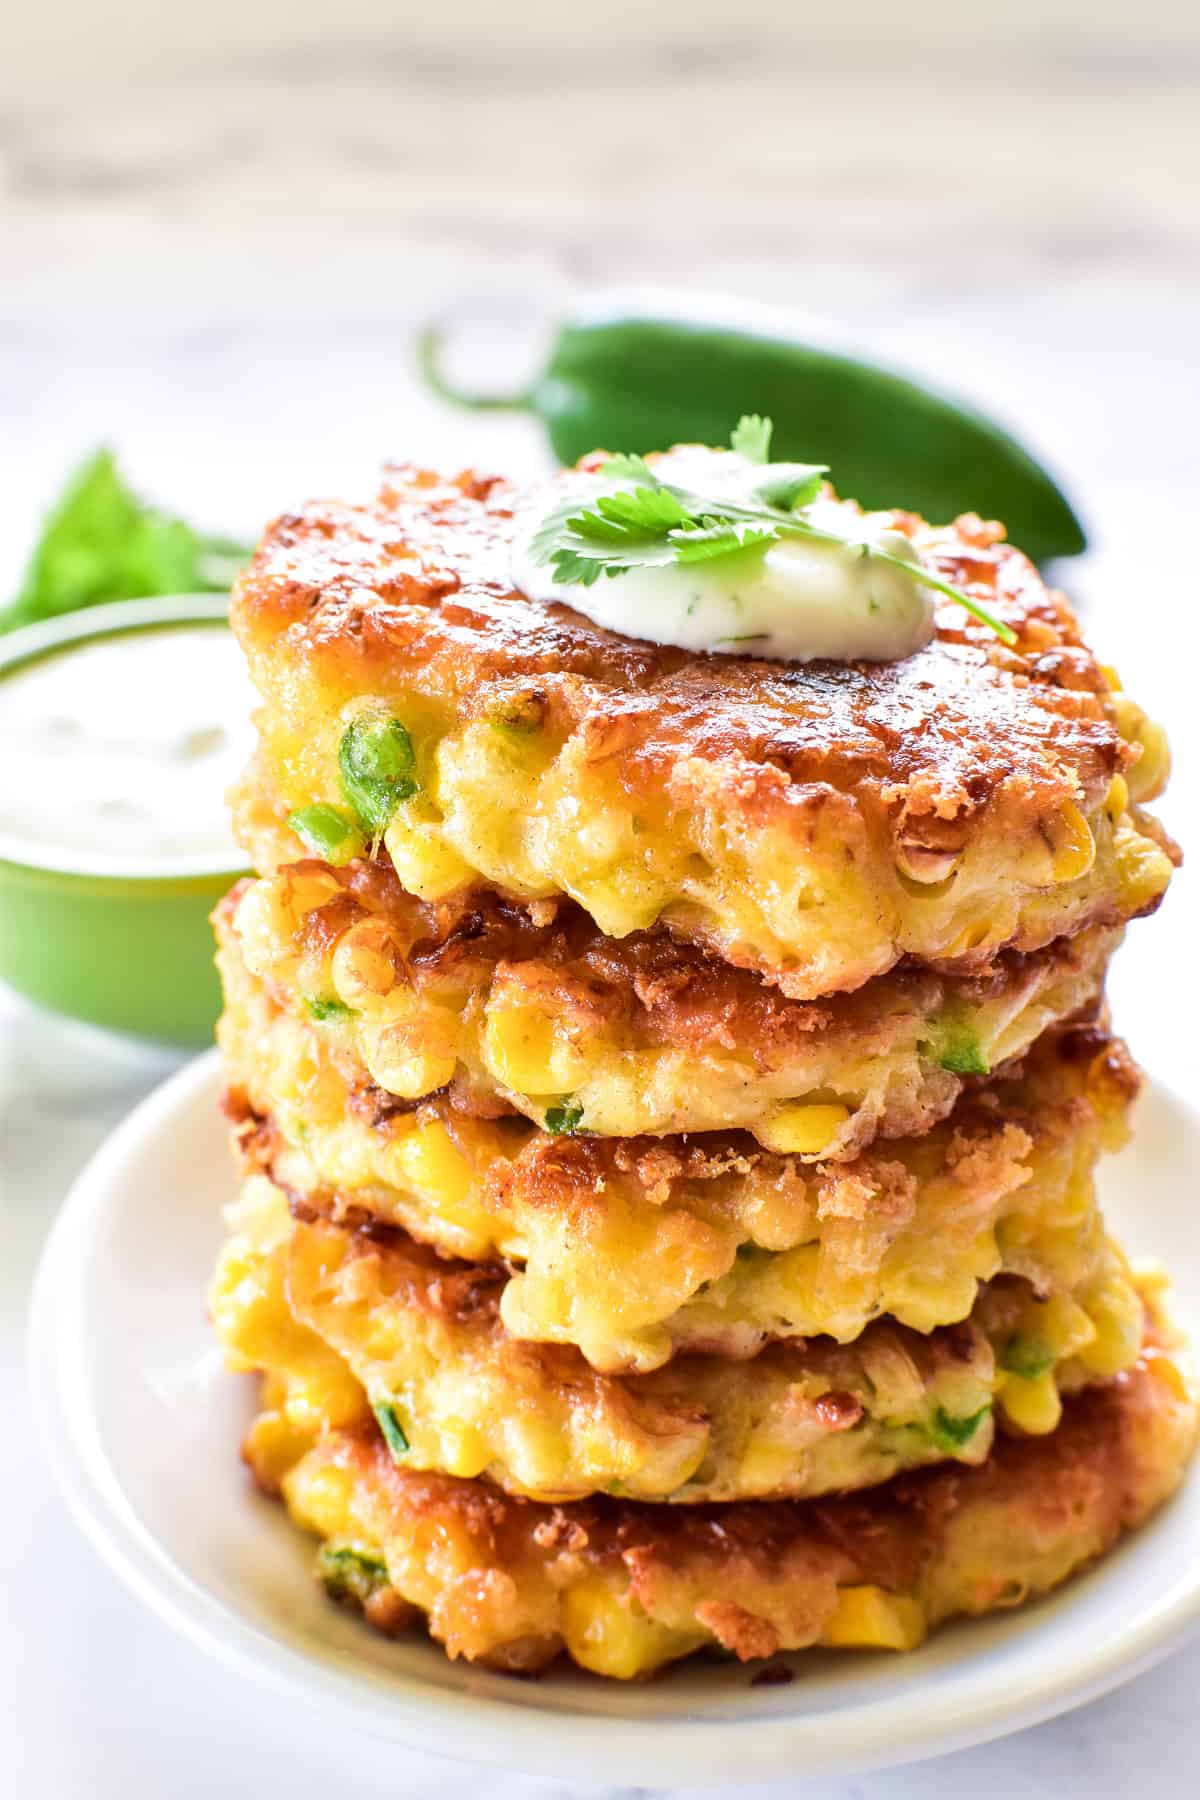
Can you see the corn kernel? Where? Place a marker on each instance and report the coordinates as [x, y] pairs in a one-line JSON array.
[[1148, 776], [324, 1395], [1117, 799], [925, 863], [1062, 1324], [619, 906], [432, 1166], [524, 1051], [273, 1392], [1072, 846], [274, 1445], [323, 1502], [426, 864], [1143, 869], [1034, 1406], [1165, 1370], [404, 1068], [365, 964], [457, 1447], [767, 1462], [804, 1130], [1116, 1313], [409, 1048], [263, 924], [869, 1618], [608, 1633], [980, 931]]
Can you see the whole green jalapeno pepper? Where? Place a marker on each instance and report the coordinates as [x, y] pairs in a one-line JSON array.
[[636, 375]]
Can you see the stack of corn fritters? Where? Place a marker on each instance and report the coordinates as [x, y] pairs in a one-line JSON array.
[[668, 1088]]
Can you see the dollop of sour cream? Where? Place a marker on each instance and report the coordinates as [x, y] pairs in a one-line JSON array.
[[116, 753], [797, 600]]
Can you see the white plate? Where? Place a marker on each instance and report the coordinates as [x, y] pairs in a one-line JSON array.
[[143, 1424]]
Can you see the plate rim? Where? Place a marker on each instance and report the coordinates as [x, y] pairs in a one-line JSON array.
[[486, 1729]]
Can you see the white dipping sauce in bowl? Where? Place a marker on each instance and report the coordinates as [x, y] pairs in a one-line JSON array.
[[116, 752]]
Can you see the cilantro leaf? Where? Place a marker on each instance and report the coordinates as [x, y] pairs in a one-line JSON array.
[[619, 467], [720, 537], [102, 542], [579, 560], [617, 532], [641, 514], [655, 523], [751, 438], [572, 570], [790, 485]]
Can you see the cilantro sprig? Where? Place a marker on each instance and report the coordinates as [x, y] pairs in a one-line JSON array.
[[644, 522], [102, 541]]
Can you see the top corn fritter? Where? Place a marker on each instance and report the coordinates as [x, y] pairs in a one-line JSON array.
[[814, 822]]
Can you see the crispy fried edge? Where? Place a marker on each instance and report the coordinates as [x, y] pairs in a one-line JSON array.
[[466, 1555]]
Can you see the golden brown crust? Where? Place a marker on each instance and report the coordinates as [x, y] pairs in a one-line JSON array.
[[994, 1123], [803, 1417], [635, 1249], [901, 792], [993, 1120], [874, 1536], [624, 1587], [933, 737], [643, 1034]]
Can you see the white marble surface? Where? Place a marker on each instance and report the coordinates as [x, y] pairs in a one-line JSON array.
[[220, 270]]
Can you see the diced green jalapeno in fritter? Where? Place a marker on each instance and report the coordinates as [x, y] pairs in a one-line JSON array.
[[326, 832], [521, 714], [1027, 1356], [962, 1054], [955, 1046], [347, 1573], [952, 1434], [325, 1010], [393, 1431], [564, 1119], [377, 764]]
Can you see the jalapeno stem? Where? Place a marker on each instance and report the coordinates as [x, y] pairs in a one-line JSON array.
[[430, 344]]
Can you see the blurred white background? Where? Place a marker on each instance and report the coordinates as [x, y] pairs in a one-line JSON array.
[[138, 37], [219, 224], [219, 227]]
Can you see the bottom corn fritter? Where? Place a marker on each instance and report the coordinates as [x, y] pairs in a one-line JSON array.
[[623, 1589], [357, 1320]]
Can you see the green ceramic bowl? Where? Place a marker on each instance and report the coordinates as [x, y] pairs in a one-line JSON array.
[[132, 951]]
